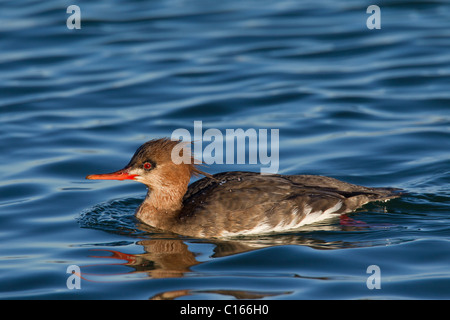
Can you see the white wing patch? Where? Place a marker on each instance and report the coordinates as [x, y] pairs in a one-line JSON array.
[[319, 215], [261, 228], [295, 222]]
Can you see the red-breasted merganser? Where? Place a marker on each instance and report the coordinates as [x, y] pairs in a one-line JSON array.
[[234, 203]]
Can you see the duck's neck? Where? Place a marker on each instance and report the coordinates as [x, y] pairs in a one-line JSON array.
[[164, 199], [161, 206]]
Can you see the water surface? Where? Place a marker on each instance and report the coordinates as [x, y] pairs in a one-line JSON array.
[[366, 106]]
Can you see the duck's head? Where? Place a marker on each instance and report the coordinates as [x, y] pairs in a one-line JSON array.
[[152, 165]]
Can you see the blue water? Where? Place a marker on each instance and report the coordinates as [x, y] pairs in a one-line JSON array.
[[366, 106]]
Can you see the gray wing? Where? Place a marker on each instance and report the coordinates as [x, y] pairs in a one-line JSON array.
[[272, 202]]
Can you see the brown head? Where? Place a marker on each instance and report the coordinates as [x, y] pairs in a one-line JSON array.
[[152, 165]]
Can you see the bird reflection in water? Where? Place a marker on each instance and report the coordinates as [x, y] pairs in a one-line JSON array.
[[172, 256]]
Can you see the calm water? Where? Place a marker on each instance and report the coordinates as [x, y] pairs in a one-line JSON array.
[[366, 106]]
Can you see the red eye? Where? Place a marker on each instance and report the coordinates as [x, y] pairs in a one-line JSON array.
[[147, 165]]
